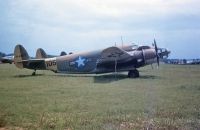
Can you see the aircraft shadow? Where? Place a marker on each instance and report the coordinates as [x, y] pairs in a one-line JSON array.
[[24, 76], [112, 78], [109, 78], [149, 77], [71, 75]]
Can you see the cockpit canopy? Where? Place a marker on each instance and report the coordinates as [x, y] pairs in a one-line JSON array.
[[143, 48]]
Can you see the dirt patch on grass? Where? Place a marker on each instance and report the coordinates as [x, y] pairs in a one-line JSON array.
[[2, 120], [9, 128]]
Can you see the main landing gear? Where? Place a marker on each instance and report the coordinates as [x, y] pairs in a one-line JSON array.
[[133, 73]]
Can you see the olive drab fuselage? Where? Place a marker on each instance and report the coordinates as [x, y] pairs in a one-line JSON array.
[[88, 62]]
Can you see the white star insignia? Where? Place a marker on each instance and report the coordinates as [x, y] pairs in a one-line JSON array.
[[80, 61]]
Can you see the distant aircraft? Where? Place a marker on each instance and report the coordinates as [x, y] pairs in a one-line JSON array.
[[111, 59], [6, 58]]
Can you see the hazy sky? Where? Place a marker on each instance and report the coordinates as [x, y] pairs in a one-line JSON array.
[[79, 25]]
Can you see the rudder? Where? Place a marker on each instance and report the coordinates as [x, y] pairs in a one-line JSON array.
[[20, 54]]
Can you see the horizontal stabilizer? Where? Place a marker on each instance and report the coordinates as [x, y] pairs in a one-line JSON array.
[[36, 64]]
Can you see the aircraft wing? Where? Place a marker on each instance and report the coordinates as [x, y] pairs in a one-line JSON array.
[[112, 54]]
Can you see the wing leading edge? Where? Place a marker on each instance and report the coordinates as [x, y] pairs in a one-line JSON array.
[[113, 54], [114, 59]]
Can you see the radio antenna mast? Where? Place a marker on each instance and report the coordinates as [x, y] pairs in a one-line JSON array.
[[122, 41]]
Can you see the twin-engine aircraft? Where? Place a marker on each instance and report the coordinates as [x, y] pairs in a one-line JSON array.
[[111, 59], [6, 58]]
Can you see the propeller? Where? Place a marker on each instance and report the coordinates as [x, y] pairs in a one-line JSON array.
[[156, 49]]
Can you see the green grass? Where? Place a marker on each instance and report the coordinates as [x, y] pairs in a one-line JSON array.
[[164, 98]]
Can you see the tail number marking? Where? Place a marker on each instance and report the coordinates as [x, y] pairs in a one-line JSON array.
[[51, 63]]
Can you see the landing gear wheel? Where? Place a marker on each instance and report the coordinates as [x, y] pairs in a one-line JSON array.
[[133, 74], [33, 74]]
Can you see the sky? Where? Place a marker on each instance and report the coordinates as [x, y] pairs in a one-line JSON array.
[[85, 25]]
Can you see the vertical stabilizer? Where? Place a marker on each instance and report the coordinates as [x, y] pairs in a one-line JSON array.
[[20, 54], [40, 54]]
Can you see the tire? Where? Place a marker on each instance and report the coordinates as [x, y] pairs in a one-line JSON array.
[[34, 73], [133, 74]]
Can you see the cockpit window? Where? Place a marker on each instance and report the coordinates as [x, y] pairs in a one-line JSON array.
[[134, 47], [143, 48]]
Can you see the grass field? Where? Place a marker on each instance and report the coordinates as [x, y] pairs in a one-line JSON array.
[[164, 98]]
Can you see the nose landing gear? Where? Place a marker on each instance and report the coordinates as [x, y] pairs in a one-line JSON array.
[[133, 73]]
